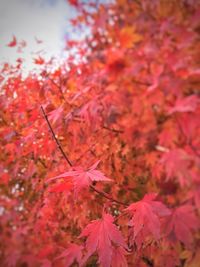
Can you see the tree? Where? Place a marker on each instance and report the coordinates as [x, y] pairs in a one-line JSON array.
[[100, 158]]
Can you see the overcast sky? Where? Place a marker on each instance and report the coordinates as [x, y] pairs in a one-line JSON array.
[[46, 20]]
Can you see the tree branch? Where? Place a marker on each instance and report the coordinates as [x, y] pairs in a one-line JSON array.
[[108, 197], [112, 129], [56, 140], [141, 83]]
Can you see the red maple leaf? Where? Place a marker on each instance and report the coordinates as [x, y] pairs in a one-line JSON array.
[[187, 104], [39, 61], [83, 178], [74, 3], [71, 254], [89, 112], [55, 115], [181, 223], [195, 193], [101, 235], [177, 163], [145, 215], [13, 42], [118, 257]]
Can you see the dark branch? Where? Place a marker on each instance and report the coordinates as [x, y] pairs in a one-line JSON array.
[[56, 140], [112, 130], [108, 197], [141, 83]]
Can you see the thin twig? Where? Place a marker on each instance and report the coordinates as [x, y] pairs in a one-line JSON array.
[[119, 216], [42, 162], [112, 129], [108, 197], [141, 83], [56, 140]]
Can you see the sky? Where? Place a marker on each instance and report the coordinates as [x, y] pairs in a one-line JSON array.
[[28, 20]]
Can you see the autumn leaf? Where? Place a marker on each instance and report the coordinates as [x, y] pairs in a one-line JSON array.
[[101, 235], [39, 61], [187, 104], [90, 112], [128, 37], [71, 254], [182, 222], [176, 163], [45, 251], [115, 61], [145, 215], [83, 178], [13, 42], [55, 115], [195, 194], [118, 257], [126, 93], [74, 3]]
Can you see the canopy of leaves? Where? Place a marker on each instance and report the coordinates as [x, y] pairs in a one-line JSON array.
[[100, 157]]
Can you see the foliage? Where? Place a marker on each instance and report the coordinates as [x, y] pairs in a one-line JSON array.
[[100, 158]]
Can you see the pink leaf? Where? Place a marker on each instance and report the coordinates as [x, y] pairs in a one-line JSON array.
[[187, 104], [55, 115], [13, 42], [71, 254], [83, 178], [39, 61], [101, 235], [146, 215], [118, 257], [177, 163], [181, 223]]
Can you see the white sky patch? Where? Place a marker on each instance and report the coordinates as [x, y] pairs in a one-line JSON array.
[[47, 20]]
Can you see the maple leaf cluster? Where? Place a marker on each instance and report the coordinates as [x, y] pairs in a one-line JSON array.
[[100, 157]]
